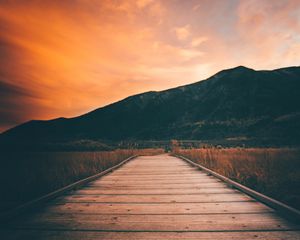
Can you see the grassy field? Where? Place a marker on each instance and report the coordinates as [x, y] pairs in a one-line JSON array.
[[27, 175], [274, 172]]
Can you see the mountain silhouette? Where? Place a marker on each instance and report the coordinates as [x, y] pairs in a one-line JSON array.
[[237, 102]]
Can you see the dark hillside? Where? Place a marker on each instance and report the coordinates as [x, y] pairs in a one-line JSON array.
[[238, 102]]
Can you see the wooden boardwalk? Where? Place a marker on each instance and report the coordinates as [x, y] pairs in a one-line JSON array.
[[154, 197]]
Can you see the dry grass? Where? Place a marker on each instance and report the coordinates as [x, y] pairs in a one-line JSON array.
[[274, 172], [27, 175]]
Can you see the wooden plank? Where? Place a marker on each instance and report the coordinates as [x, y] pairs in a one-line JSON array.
[[216, 222], [157, 178], [118, 186], [156, 191], [155, 198], [152, 183], [154, 208], [155, 168], [148, 182], [145, 168], [129, 235], [153, 178], [154, 171], [182, 175], [150, 174]]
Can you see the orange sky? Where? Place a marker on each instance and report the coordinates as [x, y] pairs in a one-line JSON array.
[[67, 57]]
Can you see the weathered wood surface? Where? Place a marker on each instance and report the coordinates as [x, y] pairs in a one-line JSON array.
[[155, 197], [197, 198]]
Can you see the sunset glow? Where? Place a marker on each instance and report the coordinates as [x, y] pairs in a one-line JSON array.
[[65, 58]]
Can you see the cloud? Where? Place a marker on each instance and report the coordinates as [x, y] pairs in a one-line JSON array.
[[196, 7], [15, 102], [198, 41], [143, 3], [268, 30], [182, 33]]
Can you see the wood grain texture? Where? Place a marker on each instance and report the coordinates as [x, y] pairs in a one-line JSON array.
[[156, 198], [157, 208], [153, 197], [157, 191], [216, 222]]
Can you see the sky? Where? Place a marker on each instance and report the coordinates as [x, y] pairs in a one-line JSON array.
[[63, 58]]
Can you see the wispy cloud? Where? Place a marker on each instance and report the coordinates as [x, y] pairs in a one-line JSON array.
[[182, 33], [198, 41]]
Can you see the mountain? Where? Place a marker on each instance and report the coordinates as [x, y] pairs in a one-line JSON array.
[[232, 104]]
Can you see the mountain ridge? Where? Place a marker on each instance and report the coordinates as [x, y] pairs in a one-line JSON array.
[[234, 102]]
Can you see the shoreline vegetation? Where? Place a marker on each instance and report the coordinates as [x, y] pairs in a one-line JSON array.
[[274, 172], [27, 175]]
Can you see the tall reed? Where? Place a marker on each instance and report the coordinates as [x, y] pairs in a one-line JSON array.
[[27, 175], [272, 171]]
